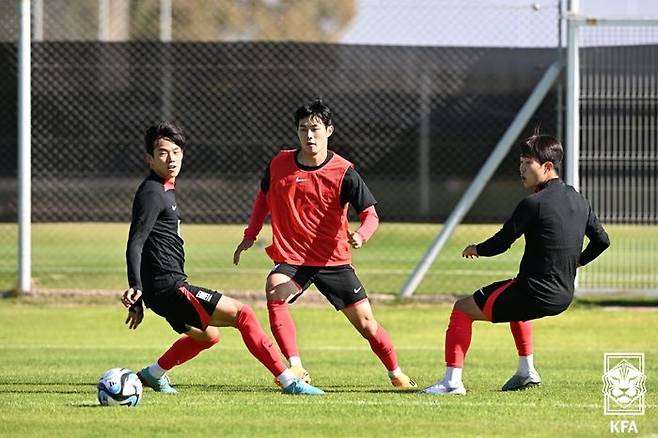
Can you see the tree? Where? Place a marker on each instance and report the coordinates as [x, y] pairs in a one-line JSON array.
[[271, 20]]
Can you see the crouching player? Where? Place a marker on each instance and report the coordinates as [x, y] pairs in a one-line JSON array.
[[156, 276], [553, 220]]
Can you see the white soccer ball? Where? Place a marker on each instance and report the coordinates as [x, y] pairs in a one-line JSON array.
[[119, 387]]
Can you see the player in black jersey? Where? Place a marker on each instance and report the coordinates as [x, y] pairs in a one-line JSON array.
[[156, 276], [554, 220]]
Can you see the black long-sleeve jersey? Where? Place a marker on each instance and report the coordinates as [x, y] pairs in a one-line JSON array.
[[554, 221], [155, 255]]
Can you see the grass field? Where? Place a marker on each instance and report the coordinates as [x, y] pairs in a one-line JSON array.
[[52, 354], [91, 256]]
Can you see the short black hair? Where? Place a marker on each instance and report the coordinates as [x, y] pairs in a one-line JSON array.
[[166, 129], [543, 148], [318, 109]]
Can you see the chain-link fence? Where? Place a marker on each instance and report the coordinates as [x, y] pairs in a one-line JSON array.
[[418, 113], [619, 149]]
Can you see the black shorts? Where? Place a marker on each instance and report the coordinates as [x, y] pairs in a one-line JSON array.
[[339, 284], [505, 301], [184, 306]]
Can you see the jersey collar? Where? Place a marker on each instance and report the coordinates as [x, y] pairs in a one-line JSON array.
[[310, 168], [167, 185], [551, 181]]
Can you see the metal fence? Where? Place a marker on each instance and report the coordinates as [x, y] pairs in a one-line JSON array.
[[102, 71], [619, 147]]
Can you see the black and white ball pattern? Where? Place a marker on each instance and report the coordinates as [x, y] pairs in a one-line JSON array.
[[119, 387]]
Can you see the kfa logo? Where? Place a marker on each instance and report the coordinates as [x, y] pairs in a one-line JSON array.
[[623, 384], [623, 426], [623, 389]]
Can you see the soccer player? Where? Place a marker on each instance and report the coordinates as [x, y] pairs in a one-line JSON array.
[[156, 276], [553, 220], [308, 191]]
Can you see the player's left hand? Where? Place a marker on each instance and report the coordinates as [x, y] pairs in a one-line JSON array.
[[135, 316], [131, 296], [470, 251], [354, 239]]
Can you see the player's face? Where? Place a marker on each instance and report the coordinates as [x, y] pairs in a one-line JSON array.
[[532, 173], [313, 135], [166, 160]]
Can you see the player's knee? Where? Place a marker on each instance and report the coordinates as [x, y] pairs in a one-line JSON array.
[[460, 305], [212, 341], [213, 336], [279, 291], [367, 327], [206, 338], [246, 310]]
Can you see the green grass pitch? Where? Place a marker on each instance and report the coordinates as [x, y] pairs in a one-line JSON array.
[[53, 352], [91, 256]]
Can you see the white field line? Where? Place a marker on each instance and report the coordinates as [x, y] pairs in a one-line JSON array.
[[424, 400]]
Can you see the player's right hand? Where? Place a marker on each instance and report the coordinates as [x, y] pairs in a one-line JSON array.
[[243, 246], [470, 251], [130, 297]]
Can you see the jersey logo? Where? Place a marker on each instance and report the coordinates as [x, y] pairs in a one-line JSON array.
[[357, 289], [174, 207], [298, 179]]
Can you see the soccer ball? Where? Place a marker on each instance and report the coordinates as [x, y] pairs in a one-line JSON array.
[[119, 387]]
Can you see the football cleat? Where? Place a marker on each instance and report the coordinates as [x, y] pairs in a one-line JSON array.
[[440, 388], [163, 384], [299, 387], [404, 382], [519, 383], [299, 372]]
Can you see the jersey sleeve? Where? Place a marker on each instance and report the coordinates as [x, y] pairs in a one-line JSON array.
[[147, 206], [265, 181], [598, 239], [524, 215], [369, 223], [355, 191], [259, 212]]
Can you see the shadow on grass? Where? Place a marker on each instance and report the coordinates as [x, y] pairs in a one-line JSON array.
[[92, 405], [36, 387], [619, 302]]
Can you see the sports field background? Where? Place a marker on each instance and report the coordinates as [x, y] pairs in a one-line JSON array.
[[53, 353], [86, 256]]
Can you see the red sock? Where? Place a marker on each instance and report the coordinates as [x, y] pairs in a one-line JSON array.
[[258, 344], [522, 332], [184, 349], [283, 327], [383, 347], [458, 339]]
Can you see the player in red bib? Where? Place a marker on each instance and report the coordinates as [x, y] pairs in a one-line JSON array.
[[307, 192]]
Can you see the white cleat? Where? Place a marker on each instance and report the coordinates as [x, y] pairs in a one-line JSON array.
[[440, 388]]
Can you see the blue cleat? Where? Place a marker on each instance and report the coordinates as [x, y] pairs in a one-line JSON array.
[[299, 387], [159, 385]]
